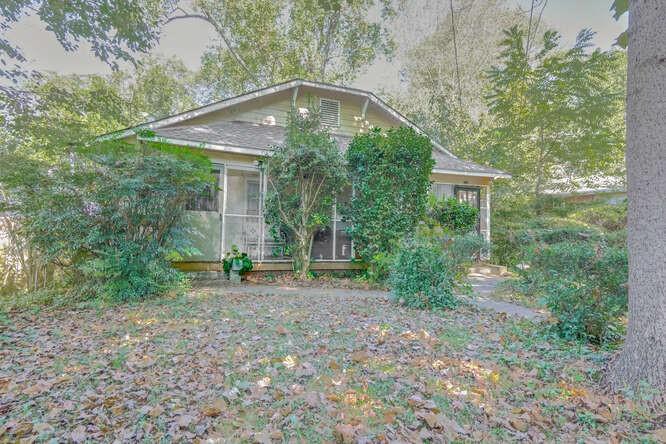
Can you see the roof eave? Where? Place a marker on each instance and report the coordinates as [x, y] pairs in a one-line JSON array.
[[492, 175], [208, 146], [265, 153]]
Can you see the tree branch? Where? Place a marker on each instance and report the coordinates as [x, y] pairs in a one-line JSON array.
[[220, 31]]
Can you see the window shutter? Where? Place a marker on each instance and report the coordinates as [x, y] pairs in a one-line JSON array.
[[329, 112]]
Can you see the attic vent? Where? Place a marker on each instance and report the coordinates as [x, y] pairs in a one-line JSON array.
[[329, 112]]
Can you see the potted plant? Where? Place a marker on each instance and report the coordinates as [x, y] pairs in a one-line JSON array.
[[235, 264]]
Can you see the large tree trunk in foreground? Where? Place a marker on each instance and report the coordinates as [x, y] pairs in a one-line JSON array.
[[642, 361]]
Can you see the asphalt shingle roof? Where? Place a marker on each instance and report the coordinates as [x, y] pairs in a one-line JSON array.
[[264, 137]]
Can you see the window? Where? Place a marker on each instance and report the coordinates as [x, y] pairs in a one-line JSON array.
[[441, 190], [208, 199], [472, 196], [329, 112]]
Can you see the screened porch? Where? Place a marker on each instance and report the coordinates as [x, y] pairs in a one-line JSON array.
[[230, 212]]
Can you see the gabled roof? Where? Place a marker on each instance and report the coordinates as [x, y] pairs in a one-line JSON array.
[[258, 139], [234, 136]]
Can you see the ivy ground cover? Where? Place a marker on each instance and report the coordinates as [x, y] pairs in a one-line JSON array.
[[348, 367]]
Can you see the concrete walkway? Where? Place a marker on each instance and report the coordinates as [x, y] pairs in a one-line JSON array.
[[483, 287]]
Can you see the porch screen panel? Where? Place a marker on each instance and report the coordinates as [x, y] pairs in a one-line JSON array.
[[203, 222], [274, 245], [343, 243], [322, 245], [484, 213], [243, 221]]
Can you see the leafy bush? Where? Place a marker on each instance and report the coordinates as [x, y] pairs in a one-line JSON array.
[[305, 175], [236, 255], [452, 215], [607, 217], [583, 286], [390, 173], [109, 215], [425, 268], [510, 238]]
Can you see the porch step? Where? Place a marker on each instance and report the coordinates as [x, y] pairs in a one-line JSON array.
[[489, 270]]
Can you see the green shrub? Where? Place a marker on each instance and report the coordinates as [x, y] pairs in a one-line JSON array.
[[109, 215], [453, 216], [390, 174], [583, 286], [605, 216], [424, 270]]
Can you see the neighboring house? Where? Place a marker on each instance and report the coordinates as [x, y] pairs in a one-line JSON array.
[[609, 189], [236, 133]]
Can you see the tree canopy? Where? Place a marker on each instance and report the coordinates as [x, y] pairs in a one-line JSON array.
[[115, 29], [557, 117], [67, 109], [267, 41]]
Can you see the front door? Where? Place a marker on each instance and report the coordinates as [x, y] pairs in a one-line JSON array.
[[472, 196]]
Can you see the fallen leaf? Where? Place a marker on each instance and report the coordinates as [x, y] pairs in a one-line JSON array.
[[214, 409], [22, 429], [433, 420], [359, 356], [345, 433], [312, 399], [79, 434], [518, 424], [184, 421], [156, 411], [659, 435], [42, 427]]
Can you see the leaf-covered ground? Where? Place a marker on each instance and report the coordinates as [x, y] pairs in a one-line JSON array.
[[261, 368]]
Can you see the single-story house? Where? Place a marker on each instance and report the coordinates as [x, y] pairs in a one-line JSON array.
[[236, 133]]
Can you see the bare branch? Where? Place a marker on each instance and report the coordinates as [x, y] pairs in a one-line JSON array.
[[206, 17]]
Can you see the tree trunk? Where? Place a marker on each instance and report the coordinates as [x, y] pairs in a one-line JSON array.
[[301, 257], [642, 361], [540, 173]]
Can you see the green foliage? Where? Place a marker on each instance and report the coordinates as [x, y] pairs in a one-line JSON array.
[[305, 175], [515, 227], [619, 8], [325, 41], [390, 173], [115, 30], [583, 284], [607, 217], [63, 113], [425, 269], [558, 115], [72, 109], [235, 255], [569, 263], [433, 100], [452, 215], [107, 214]]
